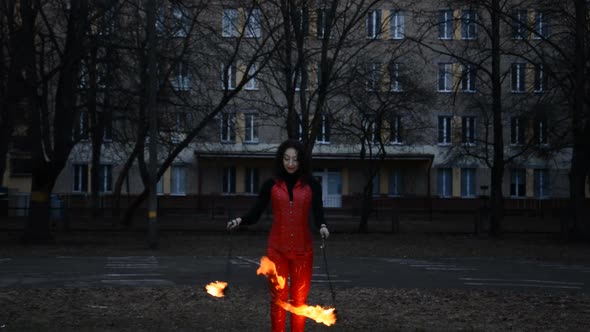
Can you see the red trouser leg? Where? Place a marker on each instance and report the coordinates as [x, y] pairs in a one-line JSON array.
[[300, 269], [278, 315]]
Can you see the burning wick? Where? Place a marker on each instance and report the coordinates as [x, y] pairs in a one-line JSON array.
[[326, 316], [216, 288]]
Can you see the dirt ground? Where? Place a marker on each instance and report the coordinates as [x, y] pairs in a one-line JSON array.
[[246, 309]]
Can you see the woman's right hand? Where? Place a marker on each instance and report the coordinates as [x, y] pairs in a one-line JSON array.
[[234, 223]]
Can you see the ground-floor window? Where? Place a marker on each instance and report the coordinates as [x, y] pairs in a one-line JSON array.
[[80, 180], [444, 182], [229, 180], [468, 184], [542, 188], [105, 178], [518, 182], [178, 180], [395, 182], [251, 181]]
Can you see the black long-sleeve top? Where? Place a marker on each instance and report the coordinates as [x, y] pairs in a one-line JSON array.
[[264, 198]]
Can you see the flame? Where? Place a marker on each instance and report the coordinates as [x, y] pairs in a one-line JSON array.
[[326, 316], [319, 314], [269, 269], [216, 288]]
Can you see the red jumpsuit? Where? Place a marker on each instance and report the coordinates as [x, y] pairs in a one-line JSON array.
[[290, 247], [290, 244]]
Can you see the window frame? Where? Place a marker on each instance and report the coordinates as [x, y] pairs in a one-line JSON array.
[[468, 24], [445, 77], [445, 130], [469, 187], [398, 24], [445, 25], [230, 23], [374, 29], [517, 130], [519, 24], [518, 183], [228, 127], [468, 78], [323, 136], [80, 178], [178, 185], [250, 128], [518, 77], [228, 182], [468, 130], [444, 177]]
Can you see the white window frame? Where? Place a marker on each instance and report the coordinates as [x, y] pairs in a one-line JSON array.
[[541, 183], [445, 24], [252, 83], [541, 131], [324, 134], [445, 76], [396, 127], [541, 25], [80, 178], [227, 128], [517, 183], [394, 81], [231, 71], [398, 24], [251, 181], [250, 128], [253, 28], [468, 130], [518, 77], [539, 80], [468, 24], [178, 179], [468, 78], [105, 178], [182, 78], [374, 76], [444, 177], [517, 130], [229, 180], [468, 182], [445, 127], [229, 23], [519, 24], [374, 24]]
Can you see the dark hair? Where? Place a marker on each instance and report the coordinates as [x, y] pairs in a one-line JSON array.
[[302, 159]]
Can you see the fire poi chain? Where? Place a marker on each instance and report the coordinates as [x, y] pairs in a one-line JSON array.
[[267, 268]]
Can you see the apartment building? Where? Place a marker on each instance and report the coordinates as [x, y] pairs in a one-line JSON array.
[[408, 107]]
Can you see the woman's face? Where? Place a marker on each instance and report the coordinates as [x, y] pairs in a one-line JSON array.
[[290, 161]]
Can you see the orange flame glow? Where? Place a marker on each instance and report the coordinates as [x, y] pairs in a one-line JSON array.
[[269, 269], [319, 314], [326, 316], [216, 288]]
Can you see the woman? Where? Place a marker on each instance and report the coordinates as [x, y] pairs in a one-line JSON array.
[[293, 192]]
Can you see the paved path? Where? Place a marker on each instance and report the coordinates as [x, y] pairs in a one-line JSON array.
[[154, 271]]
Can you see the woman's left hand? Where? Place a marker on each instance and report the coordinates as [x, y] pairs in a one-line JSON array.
[[324, 232]]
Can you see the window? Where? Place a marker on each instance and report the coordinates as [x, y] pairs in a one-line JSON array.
[[374, 24], [105, 178], [398, 24], [229, 180], [301, 20], [395, 127], [396, 182], [81, 127], [178, 180], [300, 78], [518, 183], [444, 130], [541, 25], [182, 21], [253, 26], [228, 77], [468, 78], [251, 180], [444, 182], [324, 134], [373, 131], [445, 24], [252, 83], [517, 72], [540, 79], [230, 23], [394, 77], [517, 129], [445, 77], [251, 128], [468, 182], [541, 183], [181, 81], [160, 186], [519, 24], [228, 133], [376, 184], [540, 130], [373, 76], [468, 130], [469, 24], [80, 178], [322, 22]]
